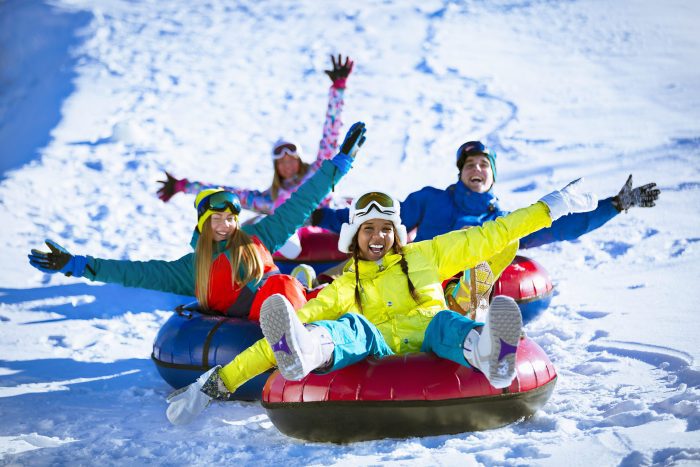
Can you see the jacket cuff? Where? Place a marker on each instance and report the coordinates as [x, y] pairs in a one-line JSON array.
[[343, 162]]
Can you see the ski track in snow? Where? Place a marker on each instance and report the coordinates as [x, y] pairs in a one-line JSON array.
[[160, 88]]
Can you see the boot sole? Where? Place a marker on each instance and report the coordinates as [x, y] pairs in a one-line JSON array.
[[276, 322], [506, 325]]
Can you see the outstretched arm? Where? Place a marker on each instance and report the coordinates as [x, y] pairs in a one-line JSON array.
[[573, 226], [253, 200], [462, 249], [167, 276]]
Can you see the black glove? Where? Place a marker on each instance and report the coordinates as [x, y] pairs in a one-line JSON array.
[[340, 72], [171, 185], [58, 260], [354, 138], [642, 196]]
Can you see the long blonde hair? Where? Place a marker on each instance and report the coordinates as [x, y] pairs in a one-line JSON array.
[[398, 249], [277, 180], [244, 256]]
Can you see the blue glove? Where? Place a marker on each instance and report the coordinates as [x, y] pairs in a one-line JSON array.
[[354, 138], [58, 260]]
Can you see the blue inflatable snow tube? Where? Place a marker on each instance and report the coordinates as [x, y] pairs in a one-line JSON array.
[[190, 343]]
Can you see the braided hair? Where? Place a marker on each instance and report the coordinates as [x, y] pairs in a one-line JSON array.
[[398, 249]]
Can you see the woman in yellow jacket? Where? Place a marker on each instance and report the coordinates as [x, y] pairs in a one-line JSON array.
[[389, 300]]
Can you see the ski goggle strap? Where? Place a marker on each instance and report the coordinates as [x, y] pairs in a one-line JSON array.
[[285, 149], [219, 201], [374, 200]]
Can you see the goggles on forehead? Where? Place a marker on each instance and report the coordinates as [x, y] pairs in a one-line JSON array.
[[219, 201], [374, 200], [474, 148], [285, 149]]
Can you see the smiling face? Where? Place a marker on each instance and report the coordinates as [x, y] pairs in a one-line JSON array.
[[477, 174], [223, 224], [287, 166], [375, 238]]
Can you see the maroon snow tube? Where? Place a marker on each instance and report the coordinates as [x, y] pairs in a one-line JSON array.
[[319, 249], [406, 395]]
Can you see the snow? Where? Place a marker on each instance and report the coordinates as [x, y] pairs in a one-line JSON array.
[[97, 98]]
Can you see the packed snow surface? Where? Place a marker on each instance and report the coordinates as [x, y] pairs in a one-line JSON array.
[[98, 98]]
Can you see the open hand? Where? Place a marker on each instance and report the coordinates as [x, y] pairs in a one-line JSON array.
[[340, 72], [643, 196], [171, 185]]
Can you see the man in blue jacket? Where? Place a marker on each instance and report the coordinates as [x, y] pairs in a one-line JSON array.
[[470, 201]]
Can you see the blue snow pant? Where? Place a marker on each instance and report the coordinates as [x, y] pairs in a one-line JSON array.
[[356, 338]]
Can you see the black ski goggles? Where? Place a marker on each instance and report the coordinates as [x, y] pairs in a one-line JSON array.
[[219, 201], [374, 200]]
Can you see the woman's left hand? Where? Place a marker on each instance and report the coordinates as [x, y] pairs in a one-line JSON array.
[[340, 72]]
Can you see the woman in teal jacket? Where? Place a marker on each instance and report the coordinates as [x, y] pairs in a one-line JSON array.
[[231, 270]]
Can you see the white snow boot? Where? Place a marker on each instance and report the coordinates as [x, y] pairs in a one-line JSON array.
[[298, 349], [492, 350]]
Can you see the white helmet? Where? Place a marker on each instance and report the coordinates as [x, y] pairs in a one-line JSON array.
[[372, 205]]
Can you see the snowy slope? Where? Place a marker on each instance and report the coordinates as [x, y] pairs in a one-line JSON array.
[[98, 98]]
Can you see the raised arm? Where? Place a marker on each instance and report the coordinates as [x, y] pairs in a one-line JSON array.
[[328, 146], [275, 229]]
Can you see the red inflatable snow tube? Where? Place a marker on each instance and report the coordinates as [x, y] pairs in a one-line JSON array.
[[528, 283], [403, 396]]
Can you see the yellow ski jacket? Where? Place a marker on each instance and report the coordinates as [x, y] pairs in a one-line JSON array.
[[386, 300]]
